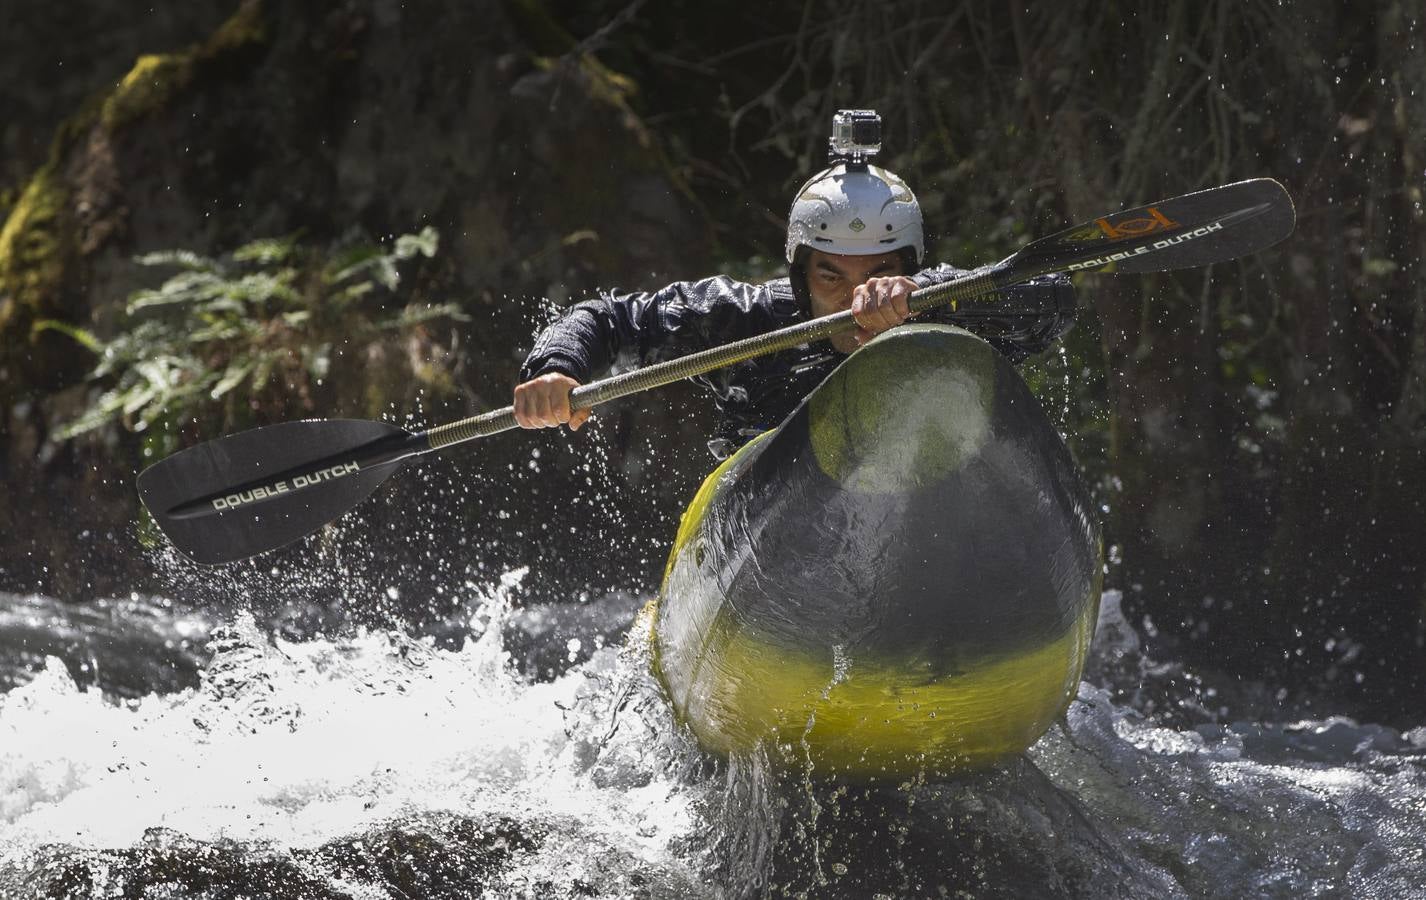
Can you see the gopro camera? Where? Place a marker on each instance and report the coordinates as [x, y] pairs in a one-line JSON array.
[[856, 136]]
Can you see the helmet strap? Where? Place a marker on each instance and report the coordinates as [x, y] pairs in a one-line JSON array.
[[797, 277], [910, 265]]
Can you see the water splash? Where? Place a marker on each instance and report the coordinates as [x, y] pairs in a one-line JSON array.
[[378, 764], [300, 745]]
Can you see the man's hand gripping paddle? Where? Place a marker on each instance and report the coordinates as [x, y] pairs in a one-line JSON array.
[[241, 495]]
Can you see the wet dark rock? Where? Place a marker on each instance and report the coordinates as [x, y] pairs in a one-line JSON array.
[[1004, 833], [435, 857], [125, 648], [1337, 741], [546, 640], [171, 865], [431, 856]]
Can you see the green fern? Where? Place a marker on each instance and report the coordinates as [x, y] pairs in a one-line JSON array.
[[224, 336]]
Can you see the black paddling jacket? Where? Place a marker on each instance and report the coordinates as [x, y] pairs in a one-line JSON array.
[[644, 328]]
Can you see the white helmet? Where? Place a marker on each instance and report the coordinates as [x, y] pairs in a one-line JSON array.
[[857, 210]]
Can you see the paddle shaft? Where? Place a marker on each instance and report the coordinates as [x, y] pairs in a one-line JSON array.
[[585, 396], [1014, 269], [257, 490], [394, 449]]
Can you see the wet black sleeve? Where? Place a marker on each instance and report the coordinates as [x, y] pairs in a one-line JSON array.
[[645, 328], [1044, 292], [1020, 321]]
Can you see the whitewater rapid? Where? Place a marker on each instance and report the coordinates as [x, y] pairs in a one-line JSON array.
[[376, 763]]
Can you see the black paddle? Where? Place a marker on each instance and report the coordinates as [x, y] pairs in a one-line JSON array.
[[237, 496]]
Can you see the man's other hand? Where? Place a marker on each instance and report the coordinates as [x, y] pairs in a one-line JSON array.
[[543, 402], [881, 303]]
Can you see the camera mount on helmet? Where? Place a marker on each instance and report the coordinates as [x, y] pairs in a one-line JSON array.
[[856, 138], [852, 208]]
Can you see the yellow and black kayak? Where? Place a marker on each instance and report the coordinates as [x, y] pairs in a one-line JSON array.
[[903, 576]]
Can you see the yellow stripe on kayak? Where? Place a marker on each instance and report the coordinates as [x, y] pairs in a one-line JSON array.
[[882, 716]]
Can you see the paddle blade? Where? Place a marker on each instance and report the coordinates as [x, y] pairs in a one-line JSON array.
[[257, 490], [1195, 229]]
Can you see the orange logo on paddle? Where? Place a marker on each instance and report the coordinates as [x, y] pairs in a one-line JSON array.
[[1127, 228]]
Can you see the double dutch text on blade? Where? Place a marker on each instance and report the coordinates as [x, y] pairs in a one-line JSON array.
[[278, 488], [1147, 248]]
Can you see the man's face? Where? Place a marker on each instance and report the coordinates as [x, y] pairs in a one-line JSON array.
[[831, 278]]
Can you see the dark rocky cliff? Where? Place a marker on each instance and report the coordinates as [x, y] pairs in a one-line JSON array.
[[325, 120]]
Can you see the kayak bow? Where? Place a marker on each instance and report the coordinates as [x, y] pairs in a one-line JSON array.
[[904, 575]]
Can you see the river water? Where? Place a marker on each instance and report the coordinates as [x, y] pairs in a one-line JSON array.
[[150, 749]]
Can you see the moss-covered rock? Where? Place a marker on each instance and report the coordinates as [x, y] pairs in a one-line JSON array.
[[68, 210], [54, 55], [35, 245], [156, 78], [365, 119]]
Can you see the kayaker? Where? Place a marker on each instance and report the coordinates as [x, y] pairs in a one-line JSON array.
[[854, 241]]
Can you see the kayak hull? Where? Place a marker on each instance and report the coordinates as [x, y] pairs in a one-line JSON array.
[[903, 576]]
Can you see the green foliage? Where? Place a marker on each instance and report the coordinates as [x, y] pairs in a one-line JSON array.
[[224, 338]]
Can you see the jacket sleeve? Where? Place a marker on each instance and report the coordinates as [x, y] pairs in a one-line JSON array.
[[1020, 321], [645, 328]]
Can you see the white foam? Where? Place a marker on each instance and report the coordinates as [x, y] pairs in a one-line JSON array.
[[296, 744]]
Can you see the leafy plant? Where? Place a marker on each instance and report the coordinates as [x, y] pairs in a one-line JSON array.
[[225, 337]]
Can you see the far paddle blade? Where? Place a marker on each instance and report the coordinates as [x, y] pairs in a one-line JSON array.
[[247, 493], [1195, 229]]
